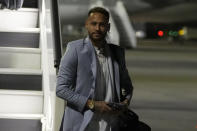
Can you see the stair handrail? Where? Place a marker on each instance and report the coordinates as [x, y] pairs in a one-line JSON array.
[[48, 107]]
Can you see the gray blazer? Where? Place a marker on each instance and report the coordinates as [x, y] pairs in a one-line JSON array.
[[76, 81]]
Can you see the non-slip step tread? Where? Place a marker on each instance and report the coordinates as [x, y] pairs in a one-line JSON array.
[[20, 10], [8, 124], [20, 30], [21, 116], [22, 39], [16, 71], [20, 79], [21, 92], [20, 50]]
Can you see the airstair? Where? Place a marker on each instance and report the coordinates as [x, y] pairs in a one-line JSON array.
[[26, 97]]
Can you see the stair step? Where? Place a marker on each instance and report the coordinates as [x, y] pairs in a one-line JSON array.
[[20, 79], [15, 71], [23, 37], [21, 116], [21, 102], [21, 18], [20, 125], [20, 30], [30, 3], [13, 57]]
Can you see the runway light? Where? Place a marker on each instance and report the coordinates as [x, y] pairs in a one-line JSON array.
[[181, 32], [140, 34], [173, 33], [160, 33]]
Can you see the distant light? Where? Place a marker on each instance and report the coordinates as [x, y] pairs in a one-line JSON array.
[[173, 33], [181, 32], [170, 33], [140, 34], [160, 33]]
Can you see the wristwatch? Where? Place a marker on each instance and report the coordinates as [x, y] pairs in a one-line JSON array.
[[91, 104]]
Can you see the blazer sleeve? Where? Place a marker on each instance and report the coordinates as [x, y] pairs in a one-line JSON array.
[[66, 80], [126, 87]]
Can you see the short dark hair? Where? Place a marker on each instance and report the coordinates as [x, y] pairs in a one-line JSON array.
[[99, 10]]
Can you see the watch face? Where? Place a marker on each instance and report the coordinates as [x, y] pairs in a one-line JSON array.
[[91, 105]]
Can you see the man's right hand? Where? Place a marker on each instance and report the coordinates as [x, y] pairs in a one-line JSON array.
[[102, 107]]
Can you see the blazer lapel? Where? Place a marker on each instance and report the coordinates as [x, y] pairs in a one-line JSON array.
[[117, 78], [115, 70], [92, 57]]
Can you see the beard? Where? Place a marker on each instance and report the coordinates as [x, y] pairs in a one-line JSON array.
[[97, 36]]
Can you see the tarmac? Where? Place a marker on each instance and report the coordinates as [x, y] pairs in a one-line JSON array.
[[164, 77]]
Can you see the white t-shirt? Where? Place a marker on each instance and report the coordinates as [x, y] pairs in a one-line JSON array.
[[103, 92]]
